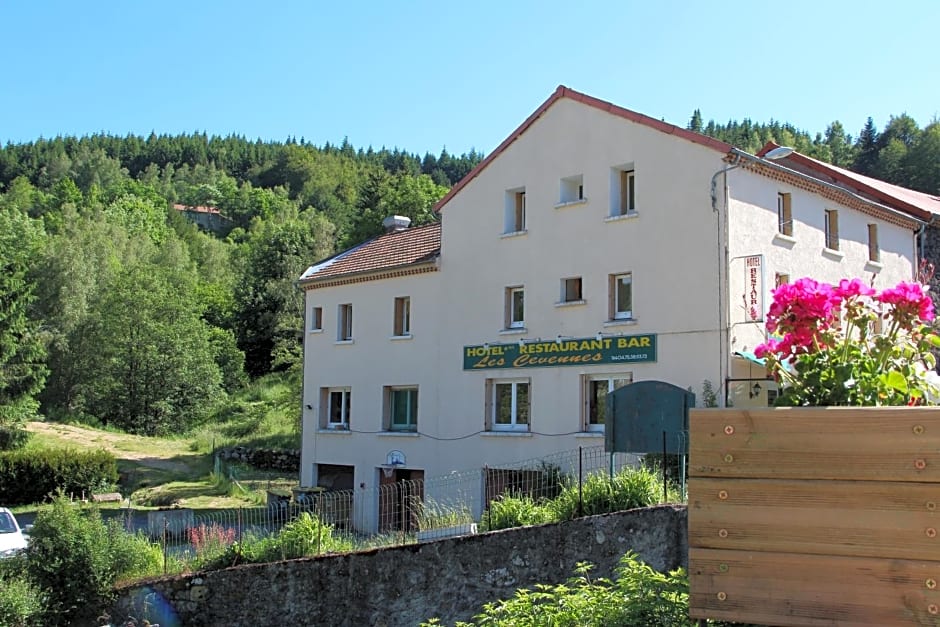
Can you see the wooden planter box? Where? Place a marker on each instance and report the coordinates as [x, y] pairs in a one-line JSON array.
[[815, 516]]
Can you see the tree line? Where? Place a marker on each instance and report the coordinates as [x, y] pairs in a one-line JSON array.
[[902, 153], [114, 309]]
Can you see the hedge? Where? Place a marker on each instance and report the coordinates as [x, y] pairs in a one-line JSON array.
[[28, 477]]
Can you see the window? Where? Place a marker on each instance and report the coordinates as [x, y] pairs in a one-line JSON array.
[[832, 229], [621, 296], [509, 405], [781, 279], [784, 215], [344, 317], [514, 216], [571, 290], [334, 407], [402, 316], [316, 319], [874, 253], [515, 308], [401, 408], [596, 389], [622, 191], [572, 189]]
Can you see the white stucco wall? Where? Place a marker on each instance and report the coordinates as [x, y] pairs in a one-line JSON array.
[[753, 230], [672, 246]]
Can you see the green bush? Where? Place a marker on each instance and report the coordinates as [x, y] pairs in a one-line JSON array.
[[628, 489], [21, 602], [509, 511], [31, 476], [304, 536], [75, 558], [638, 595]]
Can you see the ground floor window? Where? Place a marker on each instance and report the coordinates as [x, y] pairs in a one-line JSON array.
[[508, 404], [401, 408], [595, 390]]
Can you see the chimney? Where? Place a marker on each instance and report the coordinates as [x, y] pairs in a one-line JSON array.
[[393, 224]]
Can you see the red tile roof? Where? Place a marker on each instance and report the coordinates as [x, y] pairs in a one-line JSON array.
[[918, 204], [565, 92], [180, 207], [416, 245]]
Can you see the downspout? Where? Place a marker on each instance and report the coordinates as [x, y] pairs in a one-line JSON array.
[[303, 386], [722, 254], [922, 253]]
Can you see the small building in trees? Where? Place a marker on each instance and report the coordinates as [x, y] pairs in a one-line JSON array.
[[594, 247], [207, 218]]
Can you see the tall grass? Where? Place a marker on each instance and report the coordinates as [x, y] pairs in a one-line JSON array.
[[599, 494], [265, 414]]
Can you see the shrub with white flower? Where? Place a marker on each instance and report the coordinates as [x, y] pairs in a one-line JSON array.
[[849, 344]]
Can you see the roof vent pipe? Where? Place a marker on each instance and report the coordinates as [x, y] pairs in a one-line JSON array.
[[393, 224]]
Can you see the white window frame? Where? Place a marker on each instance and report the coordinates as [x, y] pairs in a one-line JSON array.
[[589, 398], [514, 218], [401, 325], [344, 323], [571, 190], [316, 319], [327, 407], [623, 191], [412, 425], [492, 389], [511, 293], [615, 312]]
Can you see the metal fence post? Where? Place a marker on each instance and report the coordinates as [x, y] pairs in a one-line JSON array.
[[580, 481], [166, 533]]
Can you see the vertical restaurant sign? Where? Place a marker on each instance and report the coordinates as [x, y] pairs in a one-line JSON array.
[[754, 292]]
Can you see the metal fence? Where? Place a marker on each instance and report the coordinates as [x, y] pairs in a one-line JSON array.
[[317, 521]]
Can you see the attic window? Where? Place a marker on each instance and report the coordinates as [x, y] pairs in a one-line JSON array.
[[514, 211]]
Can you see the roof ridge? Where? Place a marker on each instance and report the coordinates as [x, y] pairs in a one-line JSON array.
[[566, 92]]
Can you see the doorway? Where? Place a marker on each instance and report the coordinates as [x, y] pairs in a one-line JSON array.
[[401, 494]]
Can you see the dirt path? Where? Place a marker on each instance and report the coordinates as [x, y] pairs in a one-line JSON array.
[[150, 452]]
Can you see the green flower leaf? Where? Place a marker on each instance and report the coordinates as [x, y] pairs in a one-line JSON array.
[[895, 380]]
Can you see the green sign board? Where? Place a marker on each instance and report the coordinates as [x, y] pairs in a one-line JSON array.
[[587, 351]]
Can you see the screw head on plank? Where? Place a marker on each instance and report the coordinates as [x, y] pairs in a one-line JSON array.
[[729, 429]]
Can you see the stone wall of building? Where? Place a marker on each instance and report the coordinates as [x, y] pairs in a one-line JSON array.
[[403, 586]]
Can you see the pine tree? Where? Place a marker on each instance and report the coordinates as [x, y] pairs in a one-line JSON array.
[[867, 146]]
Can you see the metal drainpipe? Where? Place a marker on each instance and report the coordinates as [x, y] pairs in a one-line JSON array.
[[920, 238], [723, 330], [303, 377]]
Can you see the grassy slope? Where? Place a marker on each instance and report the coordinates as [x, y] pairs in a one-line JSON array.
[[158, 472]]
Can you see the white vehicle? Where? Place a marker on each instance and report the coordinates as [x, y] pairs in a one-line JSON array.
[[12, 540]]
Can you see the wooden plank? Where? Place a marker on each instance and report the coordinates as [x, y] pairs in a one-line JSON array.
[[796, 590], [849, 518], [840, 443]]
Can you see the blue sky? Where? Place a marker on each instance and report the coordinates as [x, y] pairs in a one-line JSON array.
[[421, 75]]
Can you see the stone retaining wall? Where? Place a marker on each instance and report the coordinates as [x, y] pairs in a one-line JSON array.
[[403, 586], [265, 459]]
